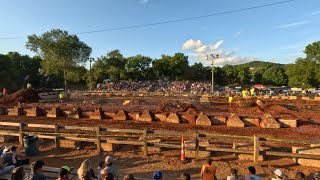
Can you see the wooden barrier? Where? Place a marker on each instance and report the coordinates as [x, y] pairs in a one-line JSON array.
[[99, 135]]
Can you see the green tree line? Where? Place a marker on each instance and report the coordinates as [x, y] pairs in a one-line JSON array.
[[61, 58]]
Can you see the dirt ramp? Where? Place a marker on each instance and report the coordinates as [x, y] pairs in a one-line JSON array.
[[173, 106], [27, 95]]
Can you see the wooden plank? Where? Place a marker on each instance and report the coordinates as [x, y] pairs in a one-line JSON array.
[[80, 128], [80, 139], [145, 145], [40, 126], [98, 139], [289, 141], [45, 136], [125, 130], [228, 150], [21, 128], [256, 150], [139, 143], [171, 133], [10, 133], [9, 124], [226, 136], [287, 154]]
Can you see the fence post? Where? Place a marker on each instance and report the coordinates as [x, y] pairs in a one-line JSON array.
[[98, 139], [256, 150], [196, 151], [21, 134], [145, 140], [57, 139]]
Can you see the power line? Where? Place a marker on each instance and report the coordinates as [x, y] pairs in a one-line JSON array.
[[173, 21]]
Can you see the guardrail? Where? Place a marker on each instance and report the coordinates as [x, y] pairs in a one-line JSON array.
[[100, 135]]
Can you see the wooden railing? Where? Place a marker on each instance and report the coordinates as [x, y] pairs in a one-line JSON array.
[[100, 135]]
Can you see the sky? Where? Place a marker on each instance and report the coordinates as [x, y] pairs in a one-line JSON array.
[[277, 33]]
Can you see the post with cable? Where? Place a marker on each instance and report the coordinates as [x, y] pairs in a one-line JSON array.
[[212, 70]]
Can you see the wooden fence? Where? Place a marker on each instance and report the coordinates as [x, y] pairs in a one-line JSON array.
[[99, 135]]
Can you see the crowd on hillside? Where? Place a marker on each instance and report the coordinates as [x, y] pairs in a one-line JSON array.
[[10, 163], [156, 86]]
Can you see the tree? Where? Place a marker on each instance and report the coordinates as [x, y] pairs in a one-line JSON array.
[[114, 62], [302, 73], [230, 73], [274, 75], [137, 67], [243, 74], [61, 52]]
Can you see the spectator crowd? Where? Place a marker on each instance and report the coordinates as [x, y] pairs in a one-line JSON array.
[[12, 164], [194, 87]]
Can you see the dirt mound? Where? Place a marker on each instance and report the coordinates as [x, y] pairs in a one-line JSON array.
[[173, 106], [23, 96]]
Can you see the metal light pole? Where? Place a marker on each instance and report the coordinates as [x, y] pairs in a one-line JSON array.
[[90, 60], [212, 70]]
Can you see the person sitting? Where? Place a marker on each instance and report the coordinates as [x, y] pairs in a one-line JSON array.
[[185, 176], [157, 175], [18, 173], [234, 175], [64, 173], [106, 175], [84, 172], [129, 177], [252, 174], [278, 174], [208, 172], [316, 176], [99, 168], [5, 168], [10, 157], [35, 174], [110, 168], [300, 176]]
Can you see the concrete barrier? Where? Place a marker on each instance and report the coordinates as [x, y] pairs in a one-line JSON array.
[[267, 121], [317, 98], [189, 118], [307, 150], [133, 116], [234, 121], [16, 111], [160, 116], [203, 120], [173, 118], [218, 120], [306, 98], [121, 115], [146, 116], [54, 112], [288, 123], [97, 114], [250, 121], [293, 97]]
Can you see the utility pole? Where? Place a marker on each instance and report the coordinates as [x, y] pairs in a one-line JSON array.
[[212, 70], [90, 60]]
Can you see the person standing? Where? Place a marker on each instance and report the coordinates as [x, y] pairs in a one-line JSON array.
[[29, 85], [35, 174], [4, 91], [111, 168], [252, 174], [208, 172]]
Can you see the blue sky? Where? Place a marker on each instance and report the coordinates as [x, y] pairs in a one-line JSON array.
[[276, 33]]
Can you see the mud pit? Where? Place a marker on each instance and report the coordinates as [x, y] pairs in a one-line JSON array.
[[307, 113]]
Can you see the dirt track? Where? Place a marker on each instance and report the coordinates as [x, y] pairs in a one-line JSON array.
[[307, 114]]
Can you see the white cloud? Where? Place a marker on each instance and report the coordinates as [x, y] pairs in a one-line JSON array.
[[291, 25], [202, 48], [216, 45], [200, 51], [191, 44]]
